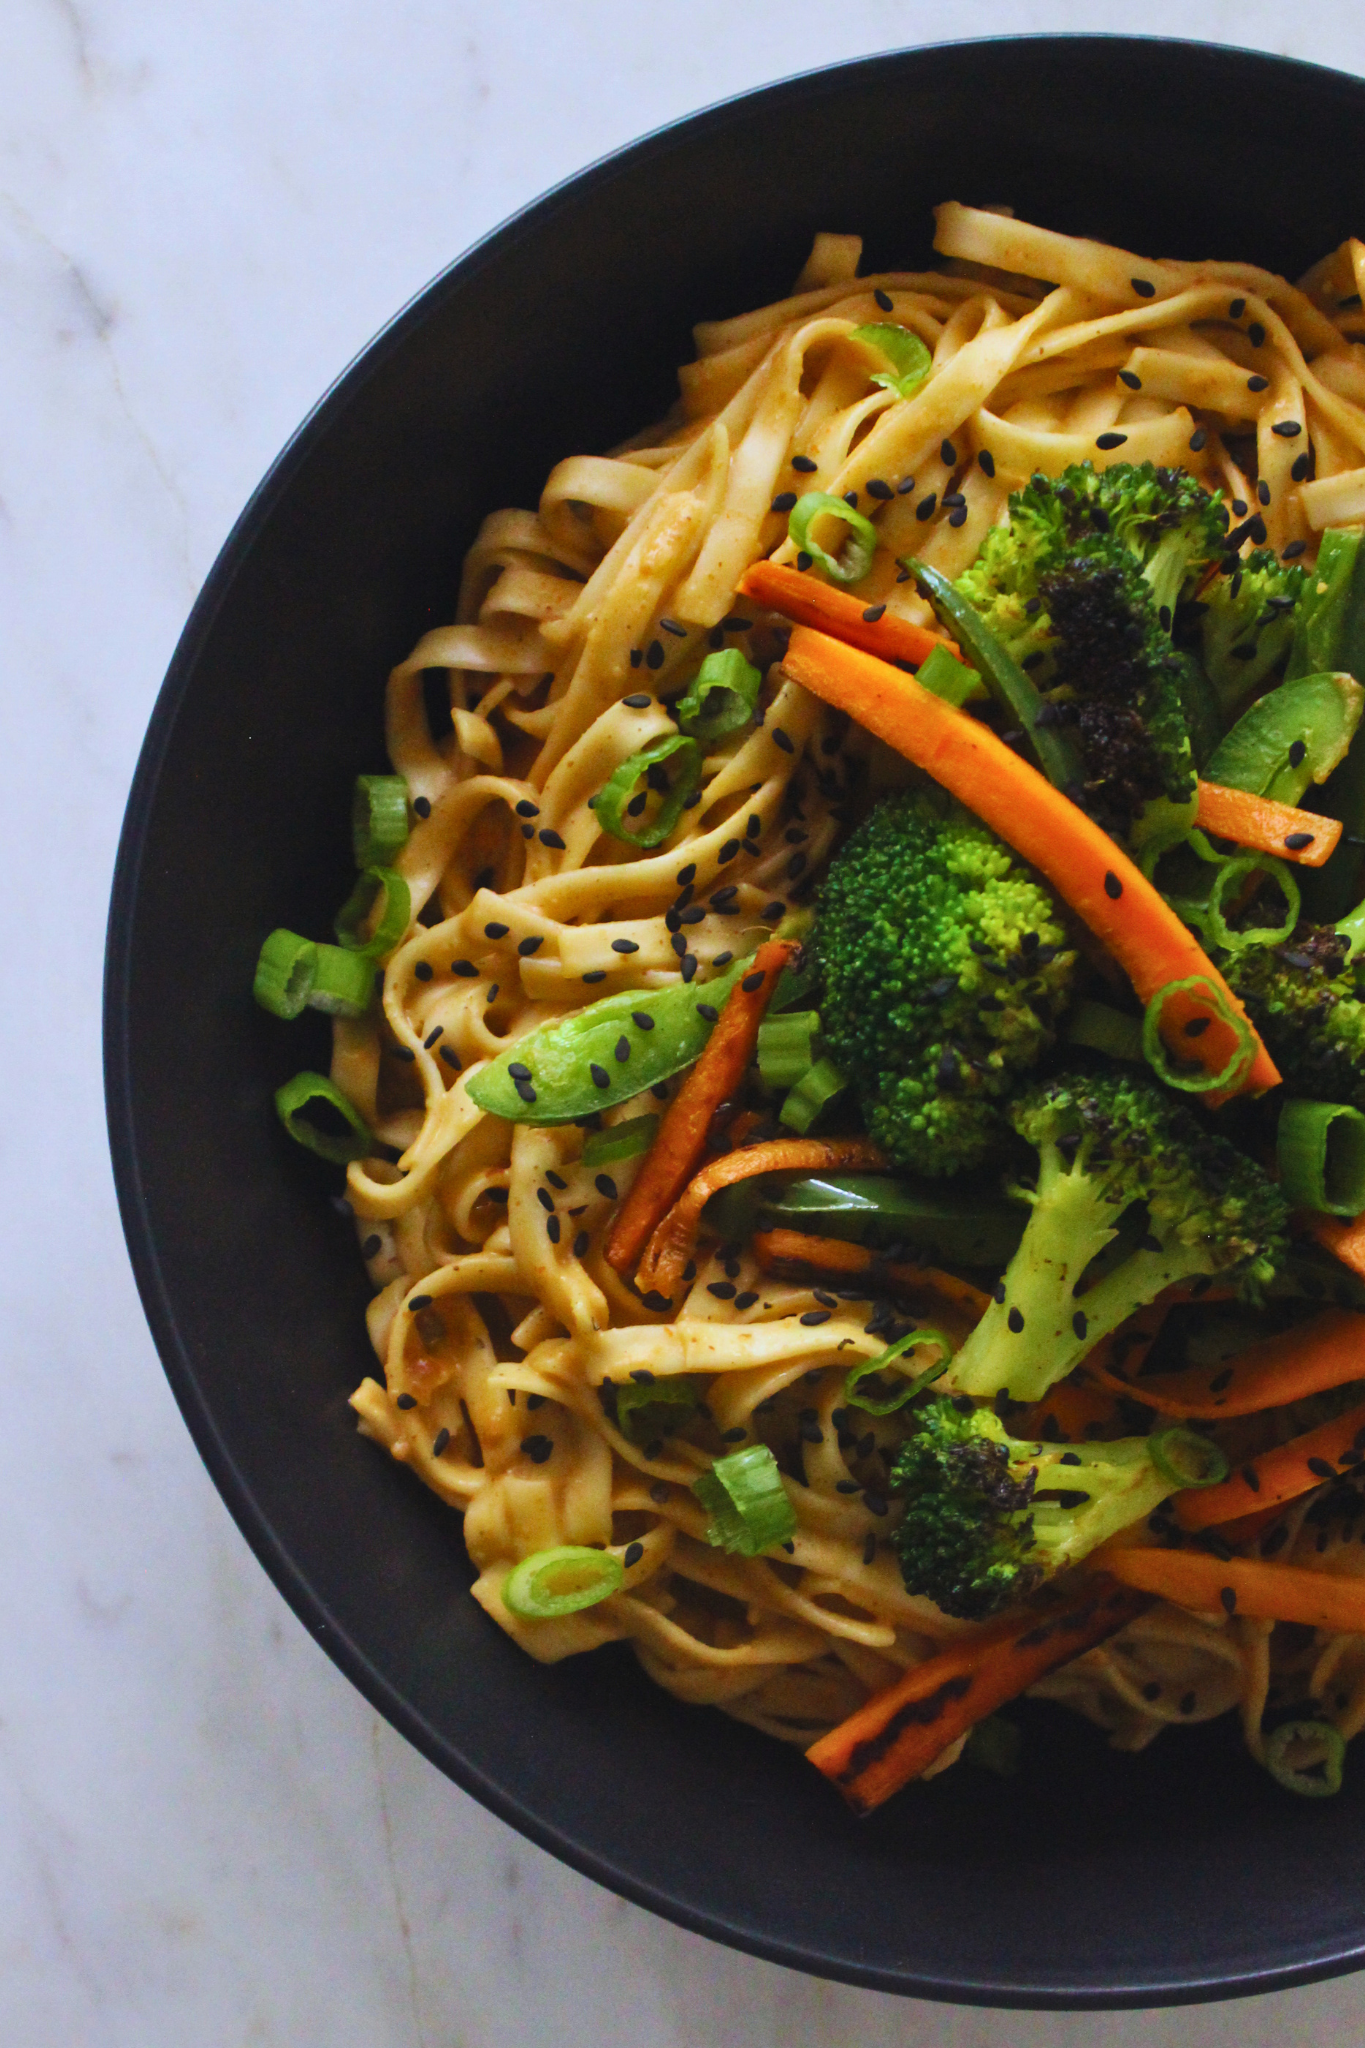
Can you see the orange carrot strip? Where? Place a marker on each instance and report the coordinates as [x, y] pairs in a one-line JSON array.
[[671, 1245], [1086, 868], [681, 1137], [789, 1253], [1265, 826], [897, 1734], [1325, 1353], [1279, 1475], [812, 603], [1070, 1409], [1247, 1528], [1344, 1237], [1244, 1585]]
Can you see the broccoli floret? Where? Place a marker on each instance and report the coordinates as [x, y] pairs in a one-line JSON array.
[[1106, 1143], [1303, 999], [945, 965], [1081, 586], [1247, 625], [983, 1523]]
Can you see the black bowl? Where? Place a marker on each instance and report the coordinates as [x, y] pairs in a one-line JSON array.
[[1095, 1879]]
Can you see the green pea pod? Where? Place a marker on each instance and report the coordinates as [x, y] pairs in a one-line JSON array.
[[1328, 609], [963, 1222], [603, 1055], [1006, 681], [1292, 737]]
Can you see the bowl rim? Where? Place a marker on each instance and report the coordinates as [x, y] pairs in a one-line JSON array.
[[157, 1296]]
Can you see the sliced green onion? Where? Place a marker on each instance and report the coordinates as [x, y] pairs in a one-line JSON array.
[[910, 360], [994, 1745], [721, 697], [284, 973], [616, 1142], [612, 801], [1237, 870], [1316, 1775], [642, 1412], [343, 985], [1154, 1048], [799, 981], [379, 819], [889, 1360], [818, 1087], [375, 887], [747, 1502], [561, 1581], [950, 678], [1104, 1030], [859, 549], [339, 1133], [788, 1047], [1184, 1458], [1320, 1147]]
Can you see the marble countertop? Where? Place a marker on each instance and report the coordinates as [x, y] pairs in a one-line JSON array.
[[207, 1839]]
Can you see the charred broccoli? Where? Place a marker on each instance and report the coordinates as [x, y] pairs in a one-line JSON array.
[[1105, 1143], [1304, 1000], [988, 1518], [945, 966]]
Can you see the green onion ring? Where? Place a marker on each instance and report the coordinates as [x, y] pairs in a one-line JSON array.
[[394, 919], [1158, 1058], [626, 1140], [909, 1342], [285, 973], [610, 802], [727, 675], [1235, 870], [747, 1502], [1320, 1148], [1318, 1781], [861, 545], [1167, 1447], [379, 819], [353, 1141], [343, 984], [561, 1581]]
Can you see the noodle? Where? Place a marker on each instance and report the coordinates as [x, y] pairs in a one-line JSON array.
[[496, 1319]]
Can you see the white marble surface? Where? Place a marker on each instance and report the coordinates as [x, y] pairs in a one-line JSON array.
[[207, 1840]]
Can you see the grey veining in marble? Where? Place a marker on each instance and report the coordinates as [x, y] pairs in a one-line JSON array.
[[206, 1838]]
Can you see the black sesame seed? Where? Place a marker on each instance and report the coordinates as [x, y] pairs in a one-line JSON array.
[[722, 1289], [873, 613], [635, 657], [525, 1091], [1320, 1468], [1263, 492], [781, 739], [1296, 841], [1079, 1323], [883, 299], [752, 982], [1015, 1320], [604, 1183], [692, 914], [622, 1050], [600, 1077], [1258, 383], [813, 1317], [1131, 379], [734, 1436], [689, 966], [925, 507], [439, 1442], [404, 1053], [771, 912], [553, 840], [851, 498], [1113, 887], [803, 560], [1256, 334], [537, 1448], [642, 1020], [948, 454], [1199, 438], [405, 1401], [708, 1011], [1110, 440], [451, 1057], [526, 809], [1228, 1599], [624, 946], [675, 627], [596, 974], [877, 487], [552, 1229], [1197, 1026], [1298, 749], [496, 931], [526, 947], [545, 1199], [654, 654], [905, 486], [1143, 286], [418, 1303], [805, 464], [783, 502]]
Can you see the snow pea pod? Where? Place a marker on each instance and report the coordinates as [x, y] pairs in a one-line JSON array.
[[964, 1224], [1329, 633], [1295, 735], [595, 1058]]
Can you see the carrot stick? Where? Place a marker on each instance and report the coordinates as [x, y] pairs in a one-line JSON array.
[[1279, 1475], [1328, 1352], [670, 1247], [897, 1734], [791, 1254], [1092, 874], [681, 1137], [1247, 1528], [812, 603], [1265, 826], [1244, 1585], [1344, 1237]]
